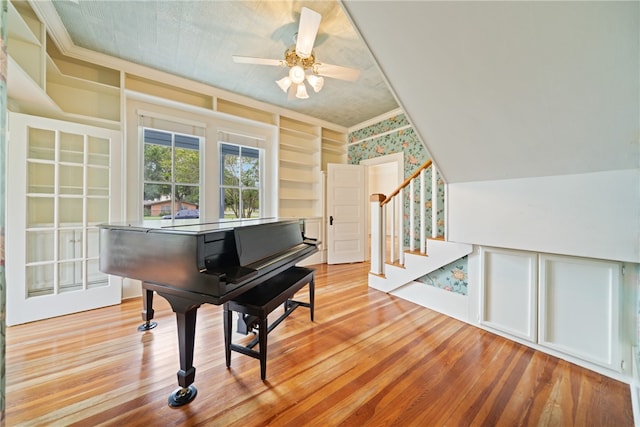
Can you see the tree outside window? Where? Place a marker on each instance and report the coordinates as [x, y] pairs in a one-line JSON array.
[[240, 181], [171, 173]]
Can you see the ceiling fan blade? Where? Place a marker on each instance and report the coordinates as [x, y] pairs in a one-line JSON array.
[[307, 31], [337, 72], [258, 61]]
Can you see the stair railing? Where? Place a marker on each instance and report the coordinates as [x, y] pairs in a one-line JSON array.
[[393, 205]]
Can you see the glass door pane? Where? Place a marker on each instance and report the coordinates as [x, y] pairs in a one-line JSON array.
[[70, 180], [98, 151], [40, 280], [40, 178], [70, 211], [40, 246], [71, 148], [40, 212], [97, 181], [42, 144]]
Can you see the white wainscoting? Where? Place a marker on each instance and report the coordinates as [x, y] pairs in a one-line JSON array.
[[579, 308], [508, 292], [571, 307]]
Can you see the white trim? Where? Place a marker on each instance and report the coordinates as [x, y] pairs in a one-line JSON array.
[[378, 135], [376, 120], [170, 118], [635, 387]]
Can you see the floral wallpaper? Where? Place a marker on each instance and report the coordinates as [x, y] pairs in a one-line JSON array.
[[395, 135]]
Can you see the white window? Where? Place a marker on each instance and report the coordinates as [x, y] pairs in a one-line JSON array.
[[240, 181], [171, 167]]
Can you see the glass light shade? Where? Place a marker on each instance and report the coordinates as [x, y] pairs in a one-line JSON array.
[[316, 82], [301, 92], [284, 83], [296, 74]]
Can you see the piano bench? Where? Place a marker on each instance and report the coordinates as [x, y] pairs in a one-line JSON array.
[[262, 300]]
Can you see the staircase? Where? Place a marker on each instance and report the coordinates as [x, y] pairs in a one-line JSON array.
[[393, 264]]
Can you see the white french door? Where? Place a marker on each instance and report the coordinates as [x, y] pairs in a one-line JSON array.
[[346, 213], [64, 180]]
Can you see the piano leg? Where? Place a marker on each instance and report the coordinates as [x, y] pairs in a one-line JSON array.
[[147, 311], [227, 318], [186, 311]]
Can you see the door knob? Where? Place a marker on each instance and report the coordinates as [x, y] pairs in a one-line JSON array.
[[330, 220]]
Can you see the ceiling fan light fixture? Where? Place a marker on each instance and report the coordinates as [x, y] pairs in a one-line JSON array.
[[297, 74], [301, 91], [284, 83], [316, 82]]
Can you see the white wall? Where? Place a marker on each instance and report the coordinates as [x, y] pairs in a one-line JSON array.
[[594, 215], [503, 90]]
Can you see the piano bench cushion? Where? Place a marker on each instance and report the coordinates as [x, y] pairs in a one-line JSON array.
[[267, 296]]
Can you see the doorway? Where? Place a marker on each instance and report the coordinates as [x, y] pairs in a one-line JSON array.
[[384, 174]]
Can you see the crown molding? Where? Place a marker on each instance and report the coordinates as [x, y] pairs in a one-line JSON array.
[[375, 120]]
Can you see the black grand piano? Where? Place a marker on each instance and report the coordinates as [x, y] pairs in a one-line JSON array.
[[191, 262]]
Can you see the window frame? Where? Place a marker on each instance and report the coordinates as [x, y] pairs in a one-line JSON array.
[[173, 183], [240, 187]]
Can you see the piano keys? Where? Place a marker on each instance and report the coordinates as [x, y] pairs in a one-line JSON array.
[[189, 263]]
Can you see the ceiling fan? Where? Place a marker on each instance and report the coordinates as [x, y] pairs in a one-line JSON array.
[[301, 61]]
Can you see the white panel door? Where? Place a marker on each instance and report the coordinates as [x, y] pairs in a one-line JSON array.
[[508, 292], [579, 308], [65, 181], [345, 213]]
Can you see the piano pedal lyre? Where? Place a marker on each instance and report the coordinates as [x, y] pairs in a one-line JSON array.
[[247, 323]]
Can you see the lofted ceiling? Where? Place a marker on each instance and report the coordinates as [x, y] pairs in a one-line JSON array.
[[196, 40]]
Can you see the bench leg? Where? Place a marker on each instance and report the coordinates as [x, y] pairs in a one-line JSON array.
[[311, 295], [262, 337]]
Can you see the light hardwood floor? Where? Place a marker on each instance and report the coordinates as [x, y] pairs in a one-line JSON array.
[[368, 359]]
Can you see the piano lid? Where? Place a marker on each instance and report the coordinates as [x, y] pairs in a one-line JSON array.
[[192, 226]]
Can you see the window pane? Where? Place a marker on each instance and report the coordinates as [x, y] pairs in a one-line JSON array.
[[250, 171], [250, 152], [157, 163], [187, 167], [157, 137], [231, 203], [187, 197], [157, 200], [250, 204], [188, 142], [230, 168]]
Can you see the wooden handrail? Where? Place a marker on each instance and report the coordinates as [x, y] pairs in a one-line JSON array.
[[406, 182]]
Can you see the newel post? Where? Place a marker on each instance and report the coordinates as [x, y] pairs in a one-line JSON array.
[[377, 233]]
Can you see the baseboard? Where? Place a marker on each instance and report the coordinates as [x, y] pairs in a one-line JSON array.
[[635, 388]]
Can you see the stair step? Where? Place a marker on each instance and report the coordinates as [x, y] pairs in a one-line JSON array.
[[440, 254]]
